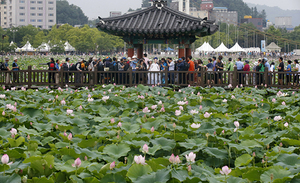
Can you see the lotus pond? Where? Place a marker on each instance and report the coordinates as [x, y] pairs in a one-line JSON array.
[[149, 134]]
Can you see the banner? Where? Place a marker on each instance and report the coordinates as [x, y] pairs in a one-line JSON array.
[[263, 45]]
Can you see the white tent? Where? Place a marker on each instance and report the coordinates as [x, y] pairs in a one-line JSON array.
[[222, 48], [69, 47], [205, 48], [237, 48], [44, 47], [27, 47]]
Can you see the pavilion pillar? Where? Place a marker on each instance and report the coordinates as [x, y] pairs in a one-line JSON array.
[[139, 51], [181, 51], [130, 51], [188, 51]]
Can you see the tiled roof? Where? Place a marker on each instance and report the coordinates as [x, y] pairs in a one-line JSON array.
[[157, 21]]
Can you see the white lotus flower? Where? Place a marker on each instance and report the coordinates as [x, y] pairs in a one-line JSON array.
[[277, 118], [236, 124], [286, 125], [181, 103], [194, 112], [2, 96], [90, 99], [105, 98], [191, 157], [224, 101], [207, 115], [69, 112], [196, 126], [139, 160], [177, 112]]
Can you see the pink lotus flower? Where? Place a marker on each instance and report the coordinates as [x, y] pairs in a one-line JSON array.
[[65, 134], [160, 102], [56, 96], [105, 98], [283, 103], [189, 168], [77, 163], [146, 110], [112, 120], [85, 158], [56, 127], [286, 125], [70, 137], [172, 159], [28, 137], [181, 108], [162, 109], [152, 129], [191, 157], [139, 160], [174, 125], [177, 113], [223, 132], [3, 113], [5, 160], [273, 100], [200, 108], [225, 170], [145, 148], [232, 97], [13, 132], [119, 125], [177, 160], [112, 165], [80, 108]]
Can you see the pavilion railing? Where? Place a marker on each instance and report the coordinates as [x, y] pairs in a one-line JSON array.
[[35, 78]]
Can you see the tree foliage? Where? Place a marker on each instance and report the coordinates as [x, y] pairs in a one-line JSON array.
[[71, 14]]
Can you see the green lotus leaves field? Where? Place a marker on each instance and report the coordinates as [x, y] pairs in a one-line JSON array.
[[149, 134]]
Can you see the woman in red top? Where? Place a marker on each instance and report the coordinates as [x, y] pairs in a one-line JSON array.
[[246, 68]]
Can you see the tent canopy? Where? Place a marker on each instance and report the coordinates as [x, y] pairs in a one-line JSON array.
[[205, 48], [69, 47], [273, 47], [237, 48], [27, 47], [44, 47], [222, 48]]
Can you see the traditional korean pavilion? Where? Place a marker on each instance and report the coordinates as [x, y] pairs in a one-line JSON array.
[[158, 24]]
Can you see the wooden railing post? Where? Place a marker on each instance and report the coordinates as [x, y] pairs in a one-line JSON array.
[[130, 76], [166, 76], [95, 76], [61, 77], [202, 71], [266, 76], [29, 76], [235, 76]]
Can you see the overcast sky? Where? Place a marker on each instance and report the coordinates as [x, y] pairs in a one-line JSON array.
[[95, 8]]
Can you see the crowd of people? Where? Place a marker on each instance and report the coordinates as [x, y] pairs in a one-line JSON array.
[[189, 71]]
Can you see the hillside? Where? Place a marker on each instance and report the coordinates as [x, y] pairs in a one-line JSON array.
[[273, 12]]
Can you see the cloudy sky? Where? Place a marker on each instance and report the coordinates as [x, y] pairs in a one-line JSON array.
[[93, 8]]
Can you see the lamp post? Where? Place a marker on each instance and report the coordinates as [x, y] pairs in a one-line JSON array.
[[3, 36]]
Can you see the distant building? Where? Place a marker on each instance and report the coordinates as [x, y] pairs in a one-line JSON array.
[[283, 22], [3, 13], [115, 13], [207, 5], [221, 14], [257, 22], [199, 14], [39, 13]]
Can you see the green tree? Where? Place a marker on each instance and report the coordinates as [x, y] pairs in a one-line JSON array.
[[71, 14]]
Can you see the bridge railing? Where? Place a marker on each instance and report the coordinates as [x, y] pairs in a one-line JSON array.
[[34, 78]]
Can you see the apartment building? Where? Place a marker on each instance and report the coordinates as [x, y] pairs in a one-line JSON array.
[[39, 13], [3, 13]]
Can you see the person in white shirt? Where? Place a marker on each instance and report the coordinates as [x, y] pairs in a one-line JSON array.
[[171, 66], [296, 69], [154, 79]]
